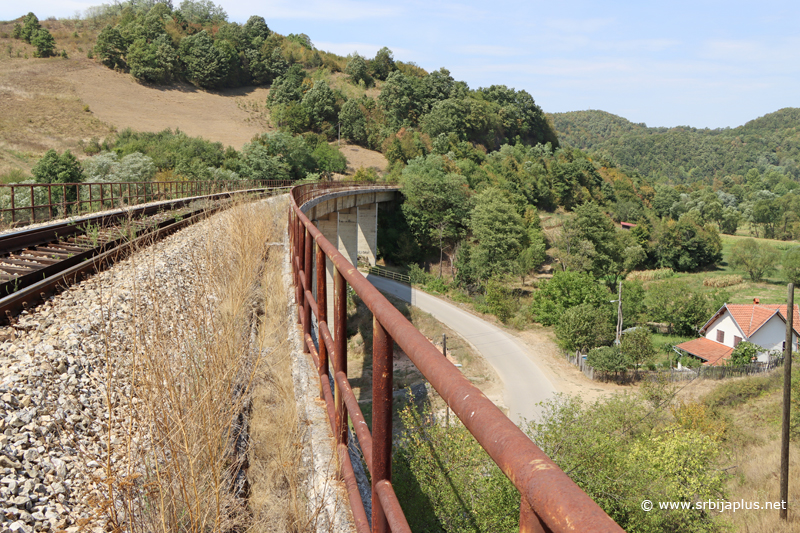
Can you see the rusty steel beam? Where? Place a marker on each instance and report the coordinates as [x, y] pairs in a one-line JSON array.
[[327, 393], [382, 374], [528, 521], [356, 505], [390, 505], [357, 417], [298, 249], [307, 296], [322, 311], [340, 351], [558, 502]]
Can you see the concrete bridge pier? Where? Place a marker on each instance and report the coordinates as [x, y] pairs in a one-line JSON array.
[[368, 232], [349, 221], [348, 234]]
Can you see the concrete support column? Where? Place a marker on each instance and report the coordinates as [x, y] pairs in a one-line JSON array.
[[368, 232], [328, 226], [348, 235]]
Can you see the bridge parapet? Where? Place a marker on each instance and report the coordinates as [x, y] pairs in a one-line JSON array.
[[549, 499]]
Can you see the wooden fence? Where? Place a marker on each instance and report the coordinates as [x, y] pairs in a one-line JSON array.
[[672, 374]]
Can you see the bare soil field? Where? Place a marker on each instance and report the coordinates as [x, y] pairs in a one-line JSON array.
[[231, 117], [59, 103]]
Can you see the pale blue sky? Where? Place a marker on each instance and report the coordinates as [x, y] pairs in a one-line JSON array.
[[703, 63]]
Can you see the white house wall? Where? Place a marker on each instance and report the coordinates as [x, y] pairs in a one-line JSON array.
[[772, 334], [727, 324]]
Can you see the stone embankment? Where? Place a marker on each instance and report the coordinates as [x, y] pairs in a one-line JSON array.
[[63, 393]]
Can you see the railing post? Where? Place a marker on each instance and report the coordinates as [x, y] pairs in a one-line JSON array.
[[33, 207], [382, 376], [13, 208], [322, 310], [307, 276], [340, 351], [50, 200], [297, 256]]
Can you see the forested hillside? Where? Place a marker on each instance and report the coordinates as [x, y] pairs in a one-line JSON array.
[[685, 154]]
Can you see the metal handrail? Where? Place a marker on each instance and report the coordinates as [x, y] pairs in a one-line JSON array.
[[550, 500], [39, 202], [389, 274]]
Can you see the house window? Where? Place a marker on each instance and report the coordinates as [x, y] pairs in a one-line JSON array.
[[736, 340], [720, 336]]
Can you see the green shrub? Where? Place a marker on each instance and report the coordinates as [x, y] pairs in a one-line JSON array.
[[436, 284], [733, 393], [608, 359], [329, 158], [446, 482], [500, 300], [584, 327], [368, 175], [44, 43], [620, 455], [418, 275], [744, 353]]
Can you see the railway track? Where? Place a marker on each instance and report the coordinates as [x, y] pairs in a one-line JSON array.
[[37, 262]]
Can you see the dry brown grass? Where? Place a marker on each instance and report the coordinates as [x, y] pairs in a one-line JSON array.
[[650, 275], [753, 445], [201, 367], [723, 281], [38, 110]]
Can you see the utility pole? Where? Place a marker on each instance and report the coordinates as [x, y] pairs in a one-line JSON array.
[[619, 314], [787, 396], [339, 138], [441, 252]]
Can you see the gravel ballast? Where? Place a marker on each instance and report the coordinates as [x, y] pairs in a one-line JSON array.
[[56, 364]]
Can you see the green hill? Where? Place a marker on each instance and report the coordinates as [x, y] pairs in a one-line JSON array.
[[684, 154]]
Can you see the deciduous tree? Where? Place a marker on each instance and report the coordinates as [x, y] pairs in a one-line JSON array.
[[498, 232], [755, 258], [584, 327], [791, 265], [437, 203]]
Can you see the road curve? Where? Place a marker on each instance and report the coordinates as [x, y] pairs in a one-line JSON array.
[[524, 383]]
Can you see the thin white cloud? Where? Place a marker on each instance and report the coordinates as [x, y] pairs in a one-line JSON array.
[[488, 50], [782, 51], [367, 50], [340, 10], [577, 25], [636, 45]]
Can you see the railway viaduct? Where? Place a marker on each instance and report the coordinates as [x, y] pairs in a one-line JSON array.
[[349, 220]]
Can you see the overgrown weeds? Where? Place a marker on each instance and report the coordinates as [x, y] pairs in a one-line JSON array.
[[208, 354]]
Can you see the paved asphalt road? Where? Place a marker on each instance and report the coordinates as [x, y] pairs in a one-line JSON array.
[[524, 383]]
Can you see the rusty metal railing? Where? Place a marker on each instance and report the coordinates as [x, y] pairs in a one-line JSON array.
[[549, 499], [28, 203]]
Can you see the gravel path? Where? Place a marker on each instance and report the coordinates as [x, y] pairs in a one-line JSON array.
[[56, 365], [524, 382]]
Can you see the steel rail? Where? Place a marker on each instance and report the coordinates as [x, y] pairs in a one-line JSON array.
[[70, 267], [549, 499]]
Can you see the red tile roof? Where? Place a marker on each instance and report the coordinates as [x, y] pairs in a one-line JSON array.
[[751, 317], [713, 353]]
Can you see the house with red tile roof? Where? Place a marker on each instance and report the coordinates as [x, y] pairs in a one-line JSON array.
[[760, 324]]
